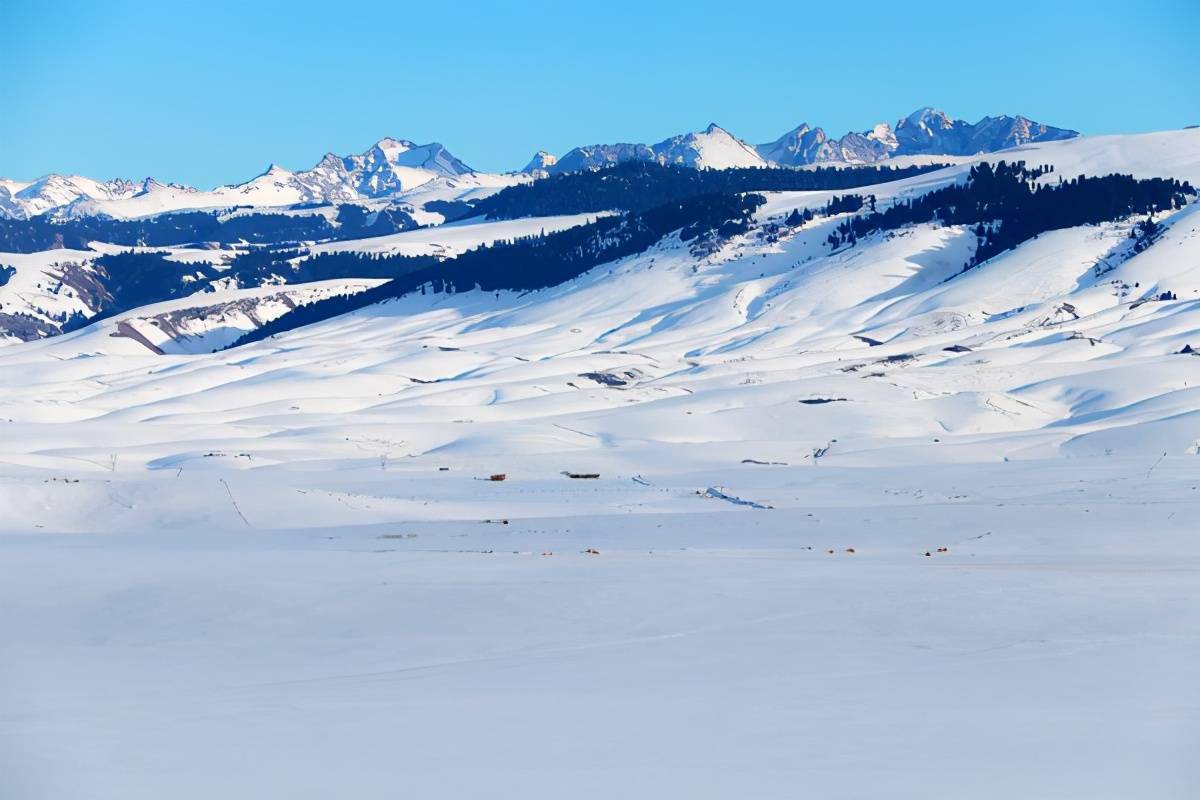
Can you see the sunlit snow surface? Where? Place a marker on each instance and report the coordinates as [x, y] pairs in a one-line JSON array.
[[281, 570]]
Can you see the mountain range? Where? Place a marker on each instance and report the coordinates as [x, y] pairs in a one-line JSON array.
[[926, 131], [389, 167], [392, 169]]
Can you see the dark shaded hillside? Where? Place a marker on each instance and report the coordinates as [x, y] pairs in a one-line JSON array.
[[126, 280], [166, 230]]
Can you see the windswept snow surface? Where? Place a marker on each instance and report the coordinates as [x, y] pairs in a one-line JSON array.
[[863, 527]]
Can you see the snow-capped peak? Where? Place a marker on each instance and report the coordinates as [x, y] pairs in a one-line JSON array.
[[928, 119], [55, 191], [883, 133], [928, 130], [392, 148], [714, 148], [801, 145], [540, 163], [925, 131]]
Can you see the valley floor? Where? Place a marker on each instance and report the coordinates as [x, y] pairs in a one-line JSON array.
[[706, 649]]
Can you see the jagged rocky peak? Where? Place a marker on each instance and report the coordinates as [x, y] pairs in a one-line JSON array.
[[331, 161], [540, 163], [391, 147], [927, 119], [598, 156], [807, 145], [927, 130], [801, 145], [714, 148], [393, 152], [883, 133], [55, 191], [389, 166], [1016, 131]]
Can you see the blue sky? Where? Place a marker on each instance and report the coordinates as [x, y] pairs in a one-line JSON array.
[[209, 93]]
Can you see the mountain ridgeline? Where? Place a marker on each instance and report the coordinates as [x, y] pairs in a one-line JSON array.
[[926, 131]]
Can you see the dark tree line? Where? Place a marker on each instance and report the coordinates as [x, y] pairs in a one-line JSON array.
[[1007, 206], [639, 185], [292, 265], [190, 227], [1145, 233], [844, 204]]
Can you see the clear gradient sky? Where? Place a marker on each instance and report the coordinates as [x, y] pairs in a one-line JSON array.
[[211, 92]]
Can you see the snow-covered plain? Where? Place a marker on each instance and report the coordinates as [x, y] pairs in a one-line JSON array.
[[707, 650], [863, 527]]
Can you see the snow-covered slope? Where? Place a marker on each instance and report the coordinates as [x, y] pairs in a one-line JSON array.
[[713, 148], [40, 292], [208, 321]]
